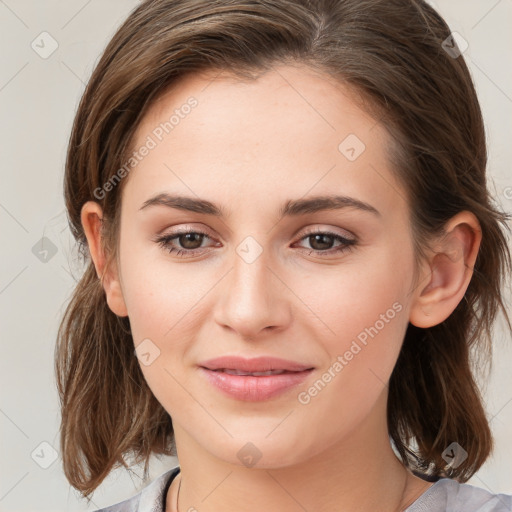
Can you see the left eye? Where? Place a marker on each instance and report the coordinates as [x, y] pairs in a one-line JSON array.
[[322, 238], [191, 241]]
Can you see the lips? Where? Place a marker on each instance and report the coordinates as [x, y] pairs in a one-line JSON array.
[[254, 386], [263, 365]]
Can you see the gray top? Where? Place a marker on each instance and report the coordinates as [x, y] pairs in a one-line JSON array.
[[445, 495]]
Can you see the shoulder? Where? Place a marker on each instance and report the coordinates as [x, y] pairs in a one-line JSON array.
[[449, 495], [149, 499]]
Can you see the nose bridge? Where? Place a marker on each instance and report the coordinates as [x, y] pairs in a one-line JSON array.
[[252, 296]]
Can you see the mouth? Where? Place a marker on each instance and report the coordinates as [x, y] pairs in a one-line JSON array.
[[257, 366], [231, 371]]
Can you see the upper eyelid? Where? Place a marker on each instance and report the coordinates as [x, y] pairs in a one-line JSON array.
[[347, 234]]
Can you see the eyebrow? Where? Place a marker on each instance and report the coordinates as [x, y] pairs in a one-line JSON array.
[[292, 207]]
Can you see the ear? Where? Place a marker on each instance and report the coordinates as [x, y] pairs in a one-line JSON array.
[[449, 269], [92, 218]]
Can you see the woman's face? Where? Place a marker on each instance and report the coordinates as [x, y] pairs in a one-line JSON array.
[[253, 282]]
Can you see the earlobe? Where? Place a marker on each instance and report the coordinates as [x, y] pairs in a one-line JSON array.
[[92, 218], [449, 271]]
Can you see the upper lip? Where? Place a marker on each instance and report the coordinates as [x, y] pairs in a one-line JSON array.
[[256, 364]]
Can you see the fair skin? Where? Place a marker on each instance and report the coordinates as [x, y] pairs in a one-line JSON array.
[[249, 147]]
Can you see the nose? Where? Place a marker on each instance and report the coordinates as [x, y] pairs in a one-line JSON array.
[[253, 298]]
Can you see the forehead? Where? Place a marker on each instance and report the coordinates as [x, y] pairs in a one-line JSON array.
[[291, 130]]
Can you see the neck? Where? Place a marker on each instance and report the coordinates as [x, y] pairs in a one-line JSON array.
[[360, 472]]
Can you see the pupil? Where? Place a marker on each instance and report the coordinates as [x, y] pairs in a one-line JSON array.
[[319, 238], [189, 238]]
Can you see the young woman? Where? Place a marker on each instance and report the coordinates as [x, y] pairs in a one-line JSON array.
[[291, 254]]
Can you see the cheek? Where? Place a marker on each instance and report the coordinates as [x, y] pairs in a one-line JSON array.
[[358, 294], [361, 314], [361, 355], [157, 291]]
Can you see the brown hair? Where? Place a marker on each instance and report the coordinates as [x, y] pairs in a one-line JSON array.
[[390, 53]]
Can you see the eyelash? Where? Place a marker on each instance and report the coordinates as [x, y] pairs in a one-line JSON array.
[[164, 241]]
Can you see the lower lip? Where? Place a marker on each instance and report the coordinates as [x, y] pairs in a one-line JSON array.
[[252, 388]]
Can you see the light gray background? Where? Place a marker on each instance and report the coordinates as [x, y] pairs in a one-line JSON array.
[[38, 99]]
